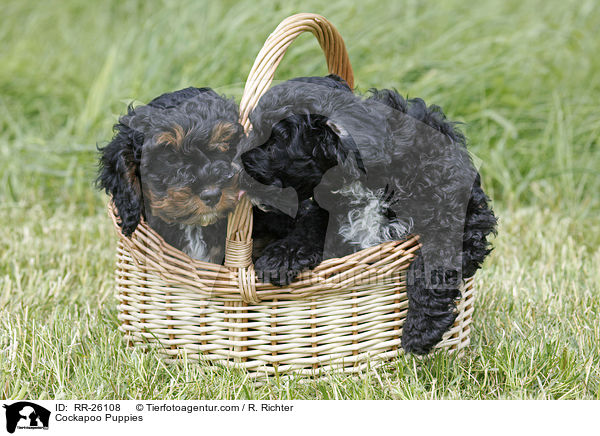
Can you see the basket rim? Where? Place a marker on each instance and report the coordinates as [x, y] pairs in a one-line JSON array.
[[367, 267]]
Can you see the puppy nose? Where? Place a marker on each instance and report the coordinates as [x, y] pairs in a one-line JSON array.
[[210, 197]]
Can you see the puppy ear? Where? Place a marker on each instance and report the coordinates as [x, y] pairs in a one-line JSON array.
[[347, 154], [119, 174]]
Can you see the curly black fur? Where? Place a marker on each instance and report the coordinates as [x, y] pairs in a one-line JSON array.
[[117, 161], [431, 310], [295, 155], [480, 222], [348, 152], [298, 246]]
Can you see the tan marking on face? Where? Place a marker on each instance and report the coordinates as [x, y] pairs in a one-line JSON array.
[[229, 197], [173, 137], [182, 206], [221, 136], [178, 205]]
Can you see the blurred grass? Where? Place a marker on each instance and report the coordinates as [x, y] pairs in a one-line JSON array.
[[522, 76]]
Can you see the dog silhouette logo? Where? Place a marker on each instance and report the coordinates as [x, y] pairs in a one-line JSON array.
[[26, 415]]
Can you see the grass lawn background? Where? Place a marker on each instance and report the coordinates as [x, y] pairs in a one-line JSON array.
[[524, 77]]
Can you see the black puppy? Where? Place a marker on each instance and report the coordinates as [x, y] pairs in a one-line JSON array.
[[286, 160], [171, 162], [381, 168], [432, 291]]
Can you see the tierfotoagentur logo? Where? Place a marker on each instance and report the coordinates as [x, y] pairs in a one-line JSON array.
[[25, 415]]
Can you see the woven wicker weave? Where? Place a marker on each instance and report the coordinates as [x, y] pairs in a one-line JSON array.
[[345, 314]]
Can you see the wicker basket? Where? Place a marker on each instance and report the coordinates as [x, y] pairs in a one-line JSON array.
[[345, 314]]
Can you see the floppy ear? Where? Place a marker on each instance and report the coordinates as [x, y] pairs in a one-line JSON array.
[[119, 174], [347, 154]]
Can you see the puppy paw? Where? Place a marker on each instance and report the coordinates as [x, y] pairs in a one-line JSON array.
[[421, 332], [431, 311], [281, 262]]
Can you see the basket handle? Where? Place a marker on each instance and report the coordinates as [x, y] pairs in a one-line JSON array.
[[238, 249], [262, 72]]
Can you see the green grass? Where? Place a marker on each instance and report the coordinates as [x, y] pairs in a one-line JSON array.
[[522, 76]]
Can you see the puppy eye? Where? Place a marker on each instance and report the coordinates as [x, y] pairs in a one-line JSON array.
[[228, 177]]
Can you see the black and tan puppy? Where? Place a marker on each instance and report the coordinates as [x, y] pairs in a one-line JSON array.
[[171, 162]]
